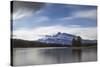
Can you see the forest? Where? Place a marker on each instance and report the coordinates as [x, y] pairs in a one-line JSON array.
[[18, 43]]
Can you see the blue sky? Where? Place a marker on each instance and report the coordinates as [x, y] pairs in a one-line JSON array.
[[52, 18]]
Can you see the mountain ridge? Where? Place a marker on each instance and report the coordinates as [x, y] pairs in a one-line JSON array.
[[62, 38]]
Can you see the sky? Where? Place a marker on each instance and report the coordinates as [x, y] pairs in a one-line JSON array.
[[33, 20]]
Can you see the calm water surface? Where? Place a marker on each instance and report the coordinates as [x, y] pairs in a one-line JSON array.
[[37, 56]]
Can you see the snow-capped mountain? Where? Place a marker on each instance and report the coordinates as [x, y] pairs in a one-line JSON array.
[[59, 38], [62, 38]]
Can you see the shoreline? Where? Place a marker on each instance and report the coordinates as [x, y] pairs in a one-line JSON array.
[[60, 47]]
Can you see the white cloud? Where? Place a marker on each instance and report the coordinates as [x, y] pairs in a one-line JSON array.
[[87, 14], [25, 35], [21, 14], [34, 34]]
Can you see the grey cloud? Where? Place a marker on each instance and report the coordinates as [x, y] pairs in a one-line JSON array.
[[17, 5], [20, 9]]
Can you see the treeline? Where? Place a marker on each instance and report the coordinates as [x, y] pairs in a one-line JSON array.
[[24, 43], [89, 44], [77, 42]]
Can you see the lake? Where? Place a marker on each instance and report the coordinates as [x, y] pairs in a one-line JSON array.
[[52, 55]]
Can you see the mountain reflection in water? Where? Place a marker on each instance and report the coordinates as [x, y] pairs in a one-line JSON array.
[[34, 56]]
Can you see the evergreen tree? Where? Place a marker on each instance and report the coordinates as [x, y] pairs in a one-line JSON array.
[[78, 41], [73, 42]]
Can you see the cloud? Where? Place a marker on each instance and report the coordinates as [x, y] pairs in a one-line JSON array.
[[23, 9], [25, 35], [21, 14], [31, 15], [36, 33], [87, 14]]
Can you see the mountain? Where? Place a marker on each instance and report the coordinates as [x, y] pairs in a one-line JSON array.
[[59, 38], [62, 38]]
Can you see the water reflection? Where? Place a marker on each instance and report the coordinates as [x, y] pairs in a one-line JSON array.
[[37, 56], [77, 54], [63, 55]]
